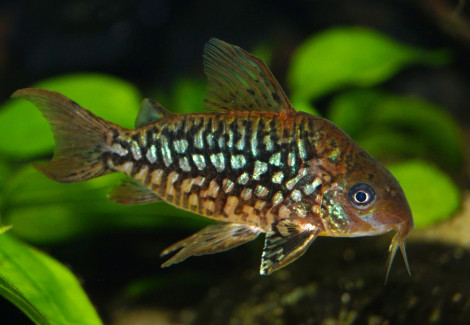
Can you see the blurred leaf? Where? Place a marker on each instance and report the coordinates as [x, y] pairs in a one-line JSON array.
[[44, 211], [355, 110], [428, 123], [26, 131], [305, 106], [45, 290], [47, 224], [4, 229], [431, 193], [389, 145], [4, 171], [28, 187], [398, 126], [351, 56], [188, 95], [163, 96]]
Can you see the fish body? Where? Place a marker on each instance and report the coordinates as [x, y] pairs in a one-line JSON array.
[[254, 164]]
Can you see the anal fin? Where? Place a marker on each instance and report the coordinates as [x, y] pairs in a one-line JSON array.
[[212, 239], [285, 242], [132, 192]]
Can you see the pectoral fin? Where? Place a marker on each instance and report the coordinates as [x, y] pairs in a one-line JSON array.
[[132, 192], [285, 242], [210, 240]]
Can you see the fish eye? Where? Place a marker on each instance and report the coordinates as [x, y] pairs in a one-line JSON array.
[[362, 195]]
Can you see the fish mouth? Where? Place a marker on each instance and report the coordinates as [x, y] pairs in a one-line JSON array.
[[398, 241]]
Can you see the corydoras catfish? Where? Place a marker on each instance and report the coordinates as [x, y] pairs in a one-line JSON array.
[[252, 163]]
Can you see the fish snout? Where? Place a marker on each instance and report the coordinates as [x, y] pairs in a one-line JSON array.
[[396, 212]]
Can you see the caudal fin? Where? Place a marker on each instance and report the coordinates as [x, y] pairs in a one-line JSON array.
[[80, 136]]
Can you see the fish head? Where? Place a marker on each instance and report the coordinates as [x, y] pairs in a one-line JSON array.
[[366, 200]]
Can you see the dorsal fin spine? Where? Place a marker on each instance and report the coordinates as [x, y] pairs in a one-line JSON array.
[[150, 112]]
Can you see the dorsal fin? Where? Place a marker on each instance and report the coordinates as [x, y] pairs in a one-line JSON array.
[[238, 80], [150, 112]]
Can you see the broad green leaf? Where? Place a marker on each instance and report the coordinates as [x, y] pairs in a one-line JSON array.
[[351, 56], [4, 171], [4, 229], [26, 132], [355, 110], [45, 290], [399, 126], [431, 193], [47, 224]]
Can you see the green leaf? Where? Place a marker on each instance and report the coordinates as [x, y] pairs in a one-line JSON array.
[[188, 95], [399, 126], [4, 229], [431, 125], [305, 106], [26, 132], [431, 193], [351, 56], [45, 290], [389, 145], [355, 110], [5, 171]]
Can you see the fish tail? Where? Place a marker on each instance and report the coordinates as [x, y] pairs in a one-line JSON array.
[[80, 137]]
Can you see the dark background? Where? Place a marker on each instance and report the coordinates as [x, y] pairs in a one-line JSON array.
[[152, 42]]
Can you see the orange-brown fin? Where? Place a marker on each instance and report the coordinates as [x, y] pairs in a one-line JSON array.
[[132, 192], [285, 242], [212, 239], [239, 81], [79, 136], [150, 112]]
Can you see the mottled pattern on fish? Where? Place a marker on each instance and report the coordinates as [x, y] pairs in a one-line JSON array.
[[254, 164], [238, 168]]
